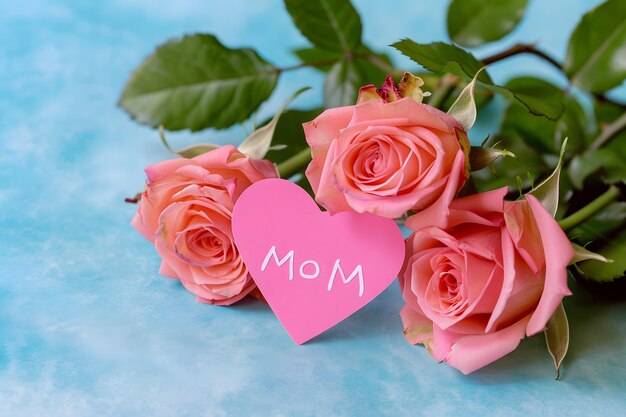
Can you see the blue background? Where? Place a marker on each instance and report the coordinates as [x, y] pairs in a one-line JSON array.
[[89, 328]]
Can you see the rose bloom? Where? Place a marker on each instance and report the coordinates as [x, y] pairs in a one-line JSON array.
[[388, 154], [481, 276], [186, 212]]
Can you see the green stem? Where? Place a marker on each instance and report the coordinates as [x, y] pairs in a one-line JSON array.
[[610, 132], [293, 165], [590, 209], [164, 140], [448, 83]]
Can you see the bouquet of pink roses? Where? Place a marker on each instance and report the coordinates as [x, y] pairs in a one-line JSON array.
[[489, 248]]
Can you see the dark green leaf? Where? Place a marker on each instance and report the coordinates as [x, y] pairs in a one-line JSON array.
[[606, 115], [195, 83], [608, 163], [443, 57], [541, 133], [474, 22], [333, 25], [557, 337], [368, 72], [606, 272], [538, 132], [596, 55], [541, 97], [289, 132], [599, 227], [341, 85]]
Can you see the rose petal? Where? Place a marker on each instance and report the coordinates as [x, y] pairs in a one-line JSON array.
[[417, 328], [319, 134], [558, 253], [469, 353], [166, 271], [437, 213], [326, 194], [525, 233]]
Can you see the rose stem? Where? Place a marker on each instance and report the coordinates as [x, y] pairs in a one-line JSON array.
[[291, 166], [590, 209], [610, 132], [524, 48]]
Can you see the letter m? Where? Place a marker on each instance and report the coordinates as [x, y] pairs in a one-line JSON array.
[[279, 262], [358, 271]]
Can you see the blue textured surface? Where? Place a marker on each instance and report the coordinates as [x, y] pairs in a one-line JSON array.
[[89, 328]]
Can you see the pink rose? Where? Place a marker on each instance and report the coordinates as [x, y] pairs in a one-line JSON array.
[[186, 212], [386, 155], [481, 276]]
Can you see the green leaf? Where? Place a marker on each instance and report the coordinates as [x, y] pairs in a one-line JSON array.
[[596, 55], [464, 108], [443, 57], [548, 191], [540, 97], [289, 132], [481, 156], [475, 22], [341, 85], [370, 73], [602, 225], [318, 55], [258, 143], [541, 133], [583, 254], [607, 113], [195, 83], [333, 25], [557, 337], [607, 272], [607, 163]]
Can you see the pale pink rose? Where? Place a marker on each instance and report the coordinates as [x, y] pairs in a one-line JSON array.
[[186, 212], [482, 275], [386, 157]]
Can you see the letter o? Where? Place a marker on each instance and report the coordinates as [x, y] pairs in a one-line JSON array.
[[309, 276]]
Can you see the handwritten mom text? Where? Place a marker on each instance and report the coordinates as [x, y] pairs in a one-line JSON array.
[[314, 269]]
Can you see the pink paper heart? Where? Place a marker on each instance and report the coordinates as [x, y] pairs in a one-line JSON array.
[[296, 254]]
